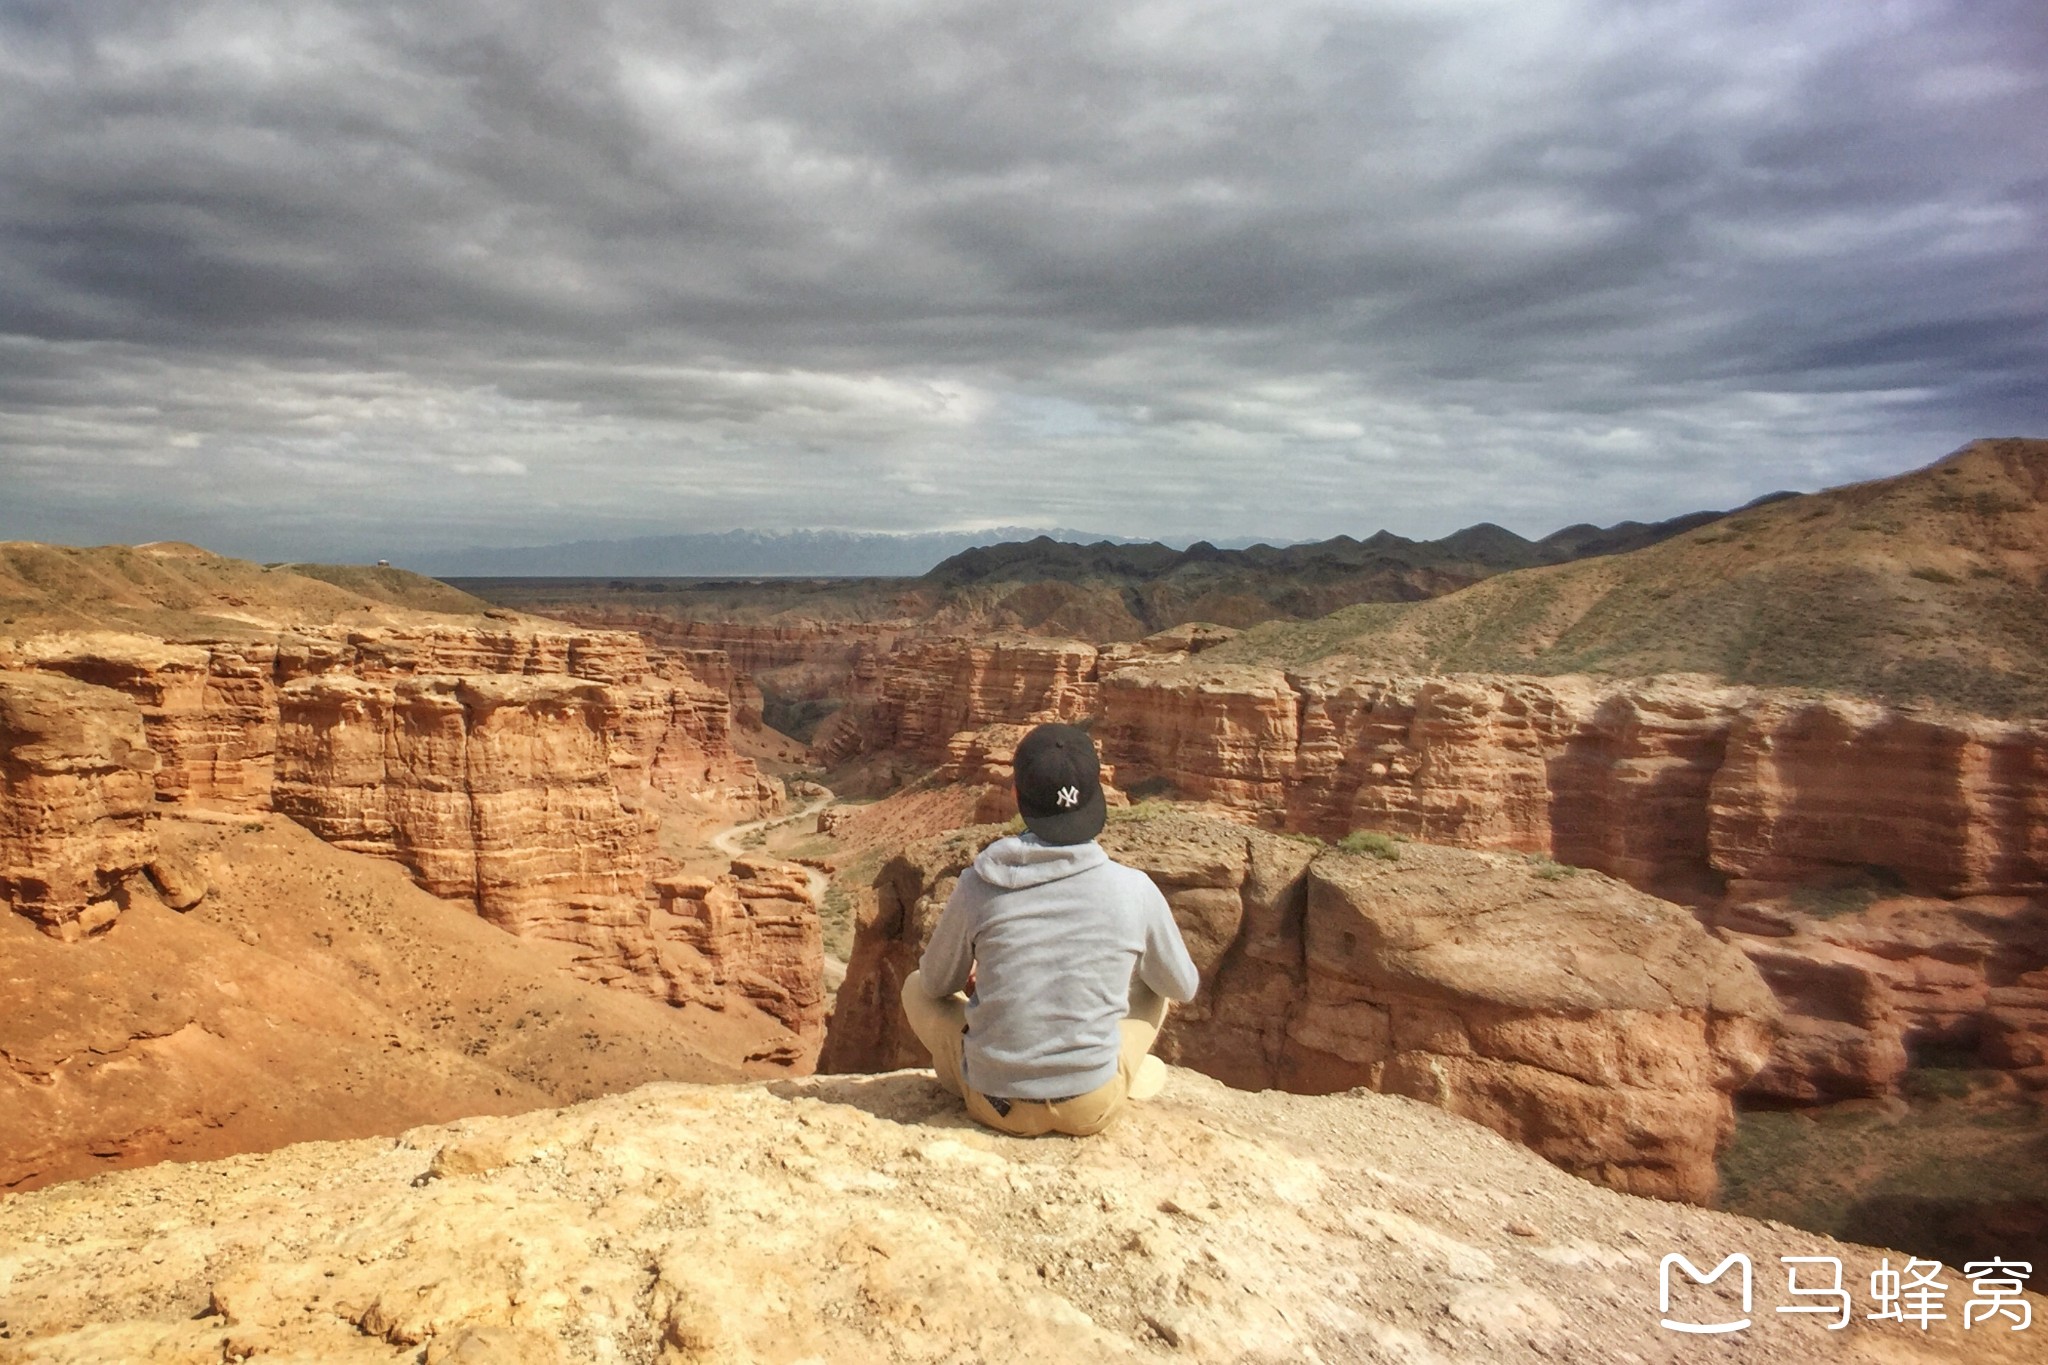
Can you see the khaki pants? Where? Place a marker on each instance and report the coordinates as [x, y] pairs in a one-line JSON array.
[[941, 1024]]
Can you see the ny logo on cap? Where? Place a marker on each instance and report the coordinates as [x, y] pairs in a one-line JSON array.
[[1068, 798]]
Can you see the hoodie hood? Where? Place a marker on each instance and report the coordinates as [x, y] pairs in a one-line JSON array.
[[1023, 860]]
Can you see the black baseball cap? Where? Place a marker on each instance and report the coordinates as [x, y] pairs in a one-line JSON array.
[[1059, 785]]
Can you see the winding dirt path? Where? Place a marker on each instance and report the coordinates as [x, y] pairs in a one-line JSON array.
[[727, 841]]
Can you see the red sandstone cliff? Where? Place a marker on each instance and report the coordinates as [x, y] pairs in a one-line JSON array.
[[212, 707], [751, 931], [928, 691], [1598, 1025], [74, 795], [1717, 795], [510, 768]]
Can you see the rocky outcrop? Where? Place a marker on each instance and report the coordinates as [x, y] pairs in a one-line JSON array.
[[210, 709], [501, 790], [1598, 1025], [751, 931], [75, 791], [1614, 776], [519, 770], [1867, 979], [932, 690], [496, 789], [856, 1220], [1723, 797]]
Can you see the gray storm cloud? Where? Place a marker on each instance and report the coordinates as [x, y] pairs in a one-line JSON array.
[[359, 279]]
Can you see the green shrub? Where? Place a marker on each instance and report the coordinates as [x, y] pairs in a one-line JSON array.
[[1383, 846]]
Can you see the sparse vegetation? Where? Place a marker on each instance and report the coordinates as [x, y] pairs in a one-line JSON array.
[[1383, 846], [839, 909], [1934, 1175], [1150, 809], [1848, 895], [1783, 598], [1549, 869]]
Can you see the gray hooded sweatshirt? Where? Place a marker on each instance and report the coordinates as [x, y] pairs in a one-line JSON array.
[[1054, 934]]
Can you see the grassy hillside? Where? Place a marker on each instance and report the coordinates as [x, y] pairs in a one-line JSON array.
[[171, 588], [1932, 585]]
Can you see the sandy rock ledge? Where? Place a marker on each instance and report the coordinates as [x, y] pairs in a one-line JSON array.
[[863, 1219]]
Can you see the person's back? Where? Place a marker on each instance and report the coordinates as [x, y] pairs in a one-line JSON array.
[[1067, 958]]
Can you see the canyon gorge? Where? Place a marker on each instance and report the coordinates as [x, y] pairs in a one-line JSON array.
[[466, 855], [517, 770]]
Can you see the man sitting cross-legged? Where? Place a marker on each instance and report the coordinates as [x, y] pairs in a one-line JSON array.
[[1066, 960]]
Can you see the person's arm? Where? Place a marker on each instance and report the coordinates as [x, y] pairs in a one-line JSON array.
[[1166, 966], [948, 962]]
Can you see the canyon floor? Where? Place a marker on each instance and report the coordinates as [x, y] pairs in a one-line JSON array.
[[313, 993], [864, 1218]]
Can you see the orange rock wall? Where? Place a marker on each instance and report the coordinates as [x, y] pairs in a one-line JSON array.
[[751, 931], [511, 768], [1601, 1027], [931, 690], [1671, 784], [490, 788], [1954, 807], [75, 791], [212, 708]]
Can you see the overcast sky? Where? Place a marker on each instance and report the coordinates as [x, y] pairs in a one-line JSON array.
[[350, 279]]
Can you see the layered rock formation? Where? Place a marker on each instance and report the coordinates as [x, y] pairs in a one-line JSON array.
[[516, 769], [75, 791], [210, 710], [1724, 797], [1865, 987], [1951, 806], [1602, 1027], [1672, 782], [752, 931], [1614, 776], [931, 690], [212, 707], [492, 788], [862, 1220]]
